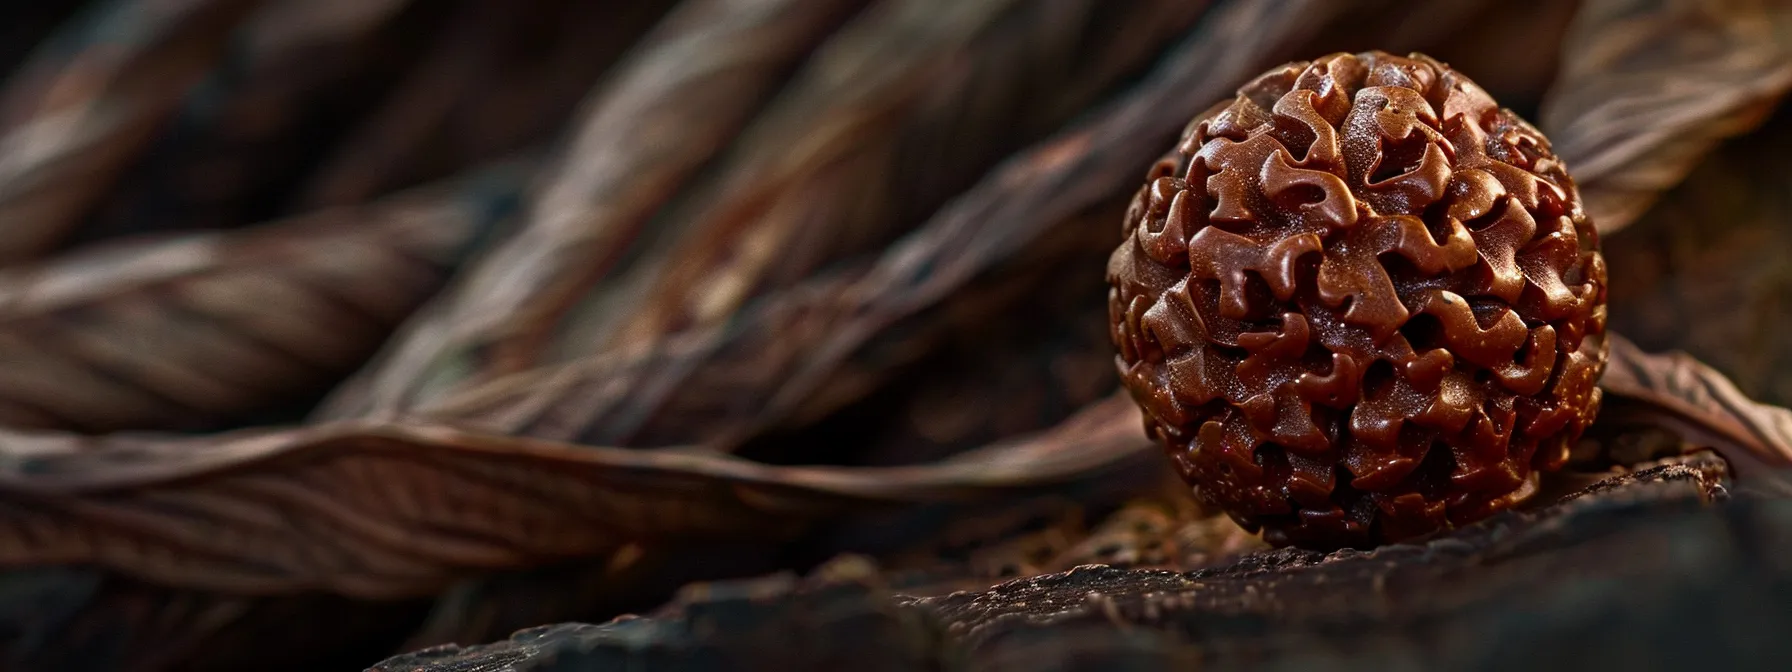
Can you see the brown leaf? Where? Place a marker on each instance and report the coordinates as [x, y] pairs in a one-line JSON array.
[[1704, 270], [908, 88], [26, 26], [193, 331], [900, 110], [785, 353], [1648, 87], [667, 110], [297, 70], [500, 77], [721, 385], [89, 101], [382, 510], [1700, 403], [1003, 356]]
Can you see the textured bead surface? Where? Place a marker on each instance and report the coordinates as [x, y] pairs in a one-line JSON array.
[[1360, 302]]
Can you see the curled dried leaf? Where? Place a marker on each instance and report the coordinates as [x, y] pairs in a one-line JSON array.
[[785, 353], [907, 88], [1705, 269], [499, 77], [714, 386], [1697, 401], [669, 108], [196, 331], [383, 510], [1648, 87], [900, 110], [89, 101], [260, 117]]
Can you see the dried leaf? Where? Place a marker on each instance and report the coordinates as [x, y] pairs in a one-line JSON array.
[[381, 510], [1700, 403], [1001, 358], [670, 107], [714, 386], [785, 353], [297, 70], [1648, 87], [195, 331], [25, 25], [500, 77], [900, 110], [89, 101], [910, 87], [1705, 269]]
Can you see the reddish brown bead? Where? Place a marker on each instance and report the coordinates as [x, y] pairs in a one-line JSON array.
[[1360, 302]]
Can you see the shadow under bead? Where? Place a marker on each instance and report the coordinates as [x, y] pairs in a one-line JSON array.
[[1360, 303]]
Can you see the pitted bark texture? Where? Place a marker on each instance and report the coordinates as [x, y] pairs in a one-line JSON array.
[[1360, 302]]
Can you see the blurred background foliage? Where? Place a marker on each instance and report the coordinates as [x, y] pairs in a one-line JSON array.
[[331, 329]]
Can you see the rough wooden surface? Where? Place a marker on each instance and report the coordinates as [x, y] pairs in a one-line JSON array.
[[1656, 569]]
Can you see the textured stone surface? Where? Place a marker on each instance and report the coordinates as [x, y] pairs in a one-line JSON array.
[[1360, 302]]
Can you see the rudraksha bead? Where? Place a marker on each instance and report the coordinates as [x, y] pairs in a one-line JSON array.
[[1360, 302]]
